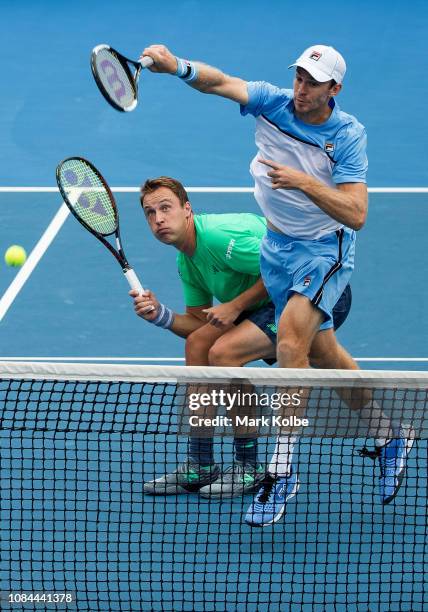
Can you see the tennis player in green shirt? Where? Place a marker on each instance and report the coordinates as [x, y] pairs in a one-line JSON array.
[[218, 258]]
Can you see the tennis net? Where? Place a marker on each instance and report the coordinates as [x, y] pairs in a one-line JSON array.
[[78, 532]]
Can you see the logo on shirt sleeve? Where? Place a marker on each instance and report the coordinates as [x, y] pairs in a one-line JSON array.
[[230, 249], [329, 147]]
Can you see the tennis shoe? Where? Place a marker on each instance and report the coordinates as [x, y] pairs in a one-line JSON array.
[[189, 477], [269, 503], [392, 461], [235, 480]]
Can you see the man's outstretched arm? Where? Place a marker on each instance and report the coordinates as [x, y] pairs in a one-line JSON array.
[[207, 80]]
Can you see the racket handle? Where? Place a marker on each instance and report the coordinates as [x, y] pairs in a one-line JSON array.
[[133, 281], [146, 62]]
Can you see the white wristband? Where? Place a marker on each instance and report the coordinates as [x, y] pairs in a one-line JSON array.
[[165, 317], [186, 70]]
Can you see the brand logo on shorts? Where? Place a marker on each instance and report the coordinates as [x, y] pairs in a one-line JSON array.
[[315, 55], [307, 281], [329, 147]]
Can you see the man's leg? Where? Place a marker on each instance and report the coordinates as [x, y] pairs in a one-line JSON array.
[[393, 444], [199, 468], [199, 343], [297, 328], [201, 442], [327, 353], [241, 344], [244, 343]]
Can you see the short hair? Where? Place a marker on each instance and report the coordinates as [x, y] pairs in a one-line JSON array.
[[175, 186], [332, 81]]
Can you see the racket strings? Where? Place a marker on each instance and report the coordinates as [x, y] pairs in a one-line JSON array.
[[116, 80], [88, 196]]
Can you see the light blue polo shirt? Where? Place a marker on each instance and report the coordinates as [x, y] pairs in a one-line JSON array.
[[333, 152]]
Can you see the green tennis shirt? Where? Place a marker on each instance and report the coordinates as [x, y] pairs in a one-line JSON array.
[[226, 261]]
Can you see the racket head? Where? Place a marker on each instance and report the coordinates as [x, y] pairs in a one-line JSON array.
[[88, 196], [114, 77]]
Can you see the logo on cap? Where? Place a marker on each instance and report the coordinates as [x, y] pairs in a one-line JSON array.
[[315, 55]]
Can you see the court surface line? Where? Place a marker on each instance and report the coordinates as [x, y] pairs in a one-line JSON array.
[[181, 359], [205, 189], [33, 259]]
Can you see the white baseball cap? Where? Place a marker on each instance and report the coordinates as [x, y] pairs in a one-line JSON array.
[[323, 63]]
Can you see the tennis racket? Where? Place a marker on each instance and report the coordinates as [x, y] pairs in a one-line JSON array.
[[117, 76], [91, 201]]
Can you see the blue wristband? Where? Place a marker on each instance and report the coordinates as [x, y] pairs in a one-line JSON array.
[[186, 70], [165, 317]]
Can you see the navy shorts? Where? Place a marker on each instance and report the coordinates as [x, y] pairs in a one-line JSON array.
[[264, 317]]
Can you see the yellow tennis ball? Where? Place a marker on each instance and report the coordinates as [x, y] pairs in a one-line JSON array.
[[15, 256]]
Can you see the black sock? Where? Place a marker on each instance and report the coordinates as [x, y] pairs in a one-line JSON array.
[[246, 450], [201, 451]]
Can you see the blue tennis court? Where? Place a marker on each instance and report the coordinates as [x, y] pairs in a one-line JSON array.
[[71, 303], [62, 310]]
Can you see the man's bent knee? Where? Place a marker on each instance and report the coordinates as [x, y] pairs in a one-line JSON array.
[[291, 350], [195, 343], [220, 354]]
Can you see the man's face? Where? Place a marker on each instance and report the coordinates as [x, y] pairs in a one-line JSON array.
[[311, 96], [168, 219]]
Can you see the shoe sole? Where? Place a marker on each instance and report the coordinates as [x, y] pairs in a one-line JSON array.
[[219, 496], [278, 516], [409, 445], [176, 491]]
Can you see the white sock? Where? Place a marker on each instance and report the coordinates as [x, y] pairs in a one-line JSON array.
[[280, 464], [380, 426], [379, 442]]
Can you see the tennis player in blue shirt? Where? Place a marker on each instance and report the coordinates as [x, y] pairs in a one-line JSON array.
[[310, 182]]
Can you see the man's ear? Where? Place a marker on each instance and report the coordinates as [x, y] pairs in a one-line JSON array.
[[335, 89]]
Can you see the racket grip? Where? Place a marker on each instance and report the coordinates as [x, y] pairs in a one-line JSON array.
[[133, 281], [146, 62]]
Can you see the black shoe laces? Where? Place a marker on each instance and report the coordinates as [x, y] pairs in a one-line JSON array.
[[267, 484], [371, 454]]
